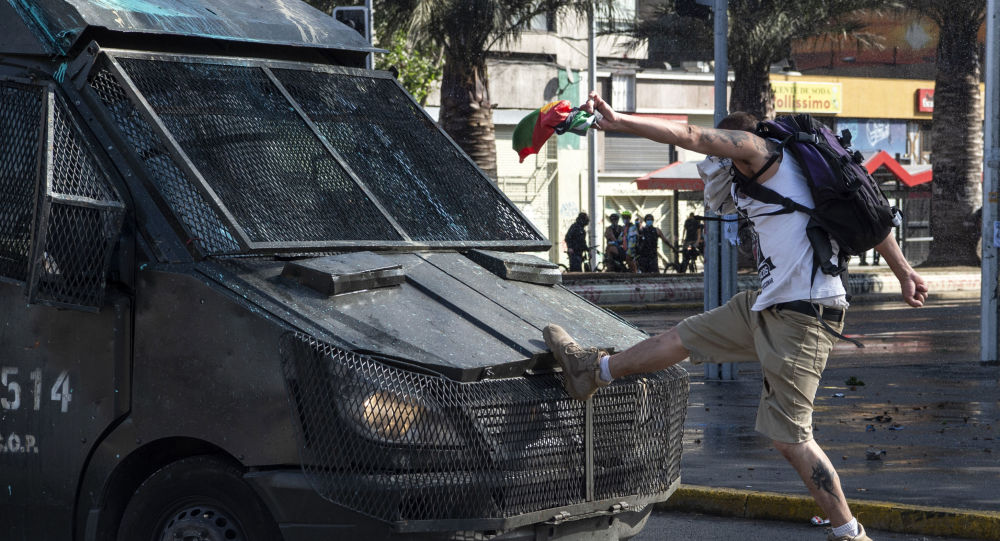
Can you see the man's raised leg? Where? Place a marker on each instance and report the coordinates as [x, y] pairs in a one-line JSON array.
[[652, 354], [582, 368]]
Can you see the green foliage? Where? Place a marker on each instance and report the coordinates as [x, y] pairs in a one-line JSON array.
[[469, 28], [761, 33], [419, 69]]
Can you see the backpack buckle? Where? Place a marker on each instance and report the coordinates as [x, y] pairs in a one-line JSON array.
[[806, 137]]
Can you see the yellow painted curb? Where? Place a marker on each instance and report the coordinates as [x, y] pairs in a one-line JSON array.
[[893, 517]]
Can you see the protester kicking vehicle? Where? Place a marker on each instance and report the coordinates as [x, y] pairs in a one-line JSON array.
[[789, 325]]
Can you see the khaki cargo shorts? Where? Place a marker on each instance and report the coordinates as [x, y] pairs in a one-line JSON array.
[[792, 349]]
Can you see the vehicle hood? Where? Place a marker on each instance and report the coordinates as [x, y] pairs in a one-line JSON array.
[[449, 314]]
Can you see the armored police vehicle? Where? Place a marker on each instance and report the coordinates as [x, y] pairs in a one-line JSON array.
[[250, 291]]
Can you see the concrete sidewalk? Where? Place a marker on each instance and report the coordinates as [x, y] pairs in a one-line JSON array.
[[916, 444], [640, 291]]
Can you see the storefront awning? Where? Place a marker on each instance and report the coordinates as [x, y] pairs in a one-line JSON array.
[[684, 175], [910, 175], [676, 176]]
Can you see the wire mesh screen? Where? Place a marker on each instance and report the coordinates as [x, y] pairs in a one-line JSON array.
[[21, 116], [430, 188], [268, 168], [399, 446], [79, 220], [198, 219]]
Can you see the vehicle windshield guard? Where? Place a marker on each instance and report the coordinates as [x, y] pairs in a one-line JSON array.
[[261, 156]]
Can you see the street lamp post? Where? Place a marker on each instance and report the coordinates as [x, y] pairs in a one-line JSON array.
[[988, 350], [720, 256]]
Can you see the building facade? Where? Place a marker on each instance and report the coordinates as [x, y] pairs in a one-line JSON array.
[[549, 62]]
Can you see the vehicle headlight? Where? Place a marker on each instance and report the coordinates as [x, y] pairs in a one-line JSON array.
[[388, 416], [396, 417]]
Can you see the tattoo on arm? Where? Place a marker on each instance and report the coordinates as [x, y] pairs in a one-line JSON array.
[[823, 479], [735, 138], [738, 145]]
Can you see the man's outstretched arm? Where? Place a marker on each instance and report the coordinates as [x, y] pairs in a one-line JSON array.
[[747, 150], [913, 287]]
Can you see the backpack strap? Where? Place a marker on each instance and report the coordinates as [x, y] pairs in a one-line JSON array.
[[822, 321], [766, 195], [755, 190]]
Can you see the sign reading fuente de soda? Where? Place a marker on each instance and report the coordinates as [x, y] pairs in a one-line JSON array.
[[807, 97]]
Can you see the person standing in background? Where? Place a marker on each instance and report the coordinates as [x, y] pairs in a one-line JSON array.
[[630, 237], [646, 248], [576, 242], [614, 257]]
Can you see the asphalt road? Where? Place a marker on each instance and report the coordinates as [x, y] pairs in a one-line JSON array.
[[926, 401]]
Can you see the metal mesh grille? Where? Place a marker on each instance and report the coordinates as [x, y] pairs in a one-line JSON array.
[[21, 115], [418, 174], [188, 204], [257, 154], [79, 222], [400, 446], [626, 459]]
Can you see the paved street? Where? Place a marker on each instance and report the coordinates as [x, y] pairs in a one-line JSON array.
[[927, 408]]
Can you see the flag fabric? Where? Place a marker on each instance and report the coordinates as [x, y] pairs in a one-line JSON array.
[[559, 117]]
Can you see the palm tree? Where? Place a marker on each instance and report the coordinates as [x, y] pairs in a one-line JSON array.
[[956, 130], [467, 29], [761, 33]]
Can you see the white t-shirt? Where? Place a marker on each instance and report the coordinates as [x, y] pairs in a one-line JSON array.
[[781, 248]]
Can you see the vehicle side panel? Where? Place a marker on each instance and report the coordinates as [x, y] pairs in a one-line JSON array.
[[207, 367], [60, 379]]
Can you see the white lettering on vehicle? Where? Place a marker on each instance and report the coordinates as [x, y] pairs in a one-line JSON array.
[[16, 444], [11, 389], [13, 396]]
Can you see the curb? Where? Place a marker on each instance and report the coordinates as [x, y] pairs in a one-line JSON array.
[[876, 515], [856, 300]]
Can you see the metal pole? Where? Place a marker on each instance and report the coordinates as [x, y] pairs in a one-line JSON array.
[[720, 256], [370, 59], [592, 134], [988, 350]]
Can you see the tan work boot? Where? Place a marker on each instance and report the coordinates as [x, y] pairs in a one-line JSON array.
[[862, 536], [581, 367]]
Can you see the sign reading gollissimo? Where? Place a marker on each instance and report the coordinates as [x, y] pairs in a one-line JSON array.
[[802, 97]]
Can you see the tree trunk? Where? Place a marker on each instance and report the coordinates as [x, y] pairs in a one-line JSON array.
[[752, 92], [466, 110], [957, 140]]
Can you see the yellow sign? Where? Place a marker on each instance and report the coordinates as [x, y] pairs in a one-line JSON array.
[[802, 97]]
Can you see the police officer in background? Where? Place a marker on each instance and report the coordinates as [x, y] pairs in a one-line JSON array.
[[646, 248], [576, 242]]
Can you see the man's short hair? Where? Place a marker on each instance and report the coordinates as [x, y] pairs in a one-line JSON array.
[[739, 120]]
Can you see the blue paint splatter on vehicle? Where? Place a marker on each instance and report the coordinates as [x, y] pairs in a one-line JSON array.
[[35, 18], [60, 74], [140, 6]]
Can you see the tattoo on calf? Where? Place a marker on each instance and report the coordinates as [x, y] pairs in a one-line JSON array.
[[823, 479]]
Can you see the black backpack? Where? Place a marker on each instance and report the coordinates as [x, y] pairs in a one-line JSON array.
[[849, 206]]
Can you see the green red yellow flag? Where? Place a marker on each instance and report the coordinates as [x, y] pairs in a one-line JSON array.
[[559, 117]]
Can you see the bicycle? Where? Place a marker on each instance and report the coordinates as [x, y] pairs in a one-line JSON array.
[[586, 263], [688, 256]]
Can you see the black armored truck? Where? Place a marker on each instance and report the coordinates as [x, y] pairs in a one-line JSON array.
[[250, 291]]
